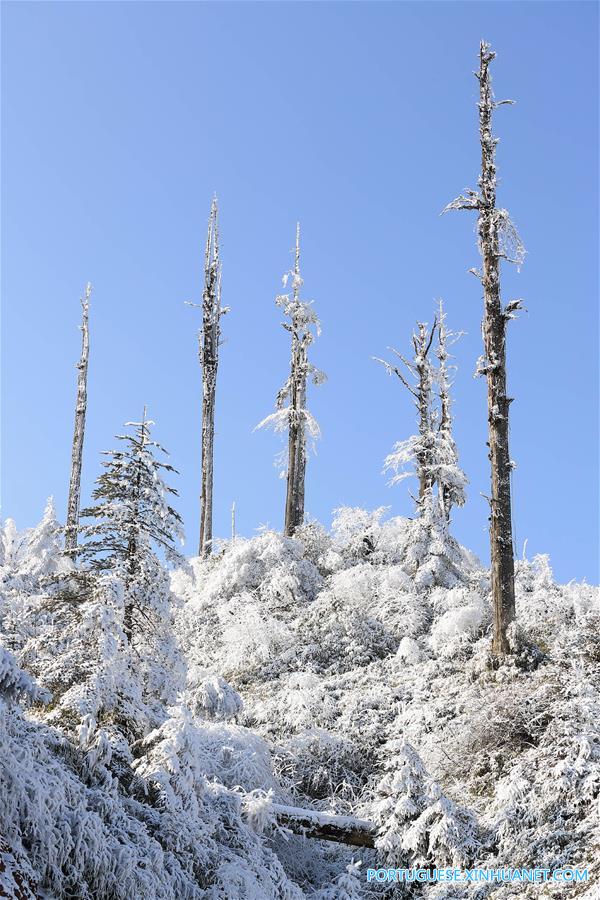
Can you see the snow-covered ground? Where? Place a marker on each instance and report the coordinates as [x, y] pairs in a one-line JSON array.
[[345, 672]]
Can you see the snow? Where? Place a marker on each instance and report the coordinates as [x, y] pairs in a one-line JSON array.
[[339, 677]]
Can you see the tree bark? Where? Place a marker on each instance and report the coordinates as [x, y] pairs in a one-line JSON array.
[[209, 360], [74, 500], [494, 337]]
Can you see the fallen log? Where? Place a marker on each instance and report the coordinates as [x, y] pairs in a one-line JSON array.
[[326, 827]]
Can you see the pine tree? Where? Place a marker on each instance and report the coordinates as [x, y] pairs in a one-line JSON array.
[[79, 428], [133, 523], [417, 824], [292, 414], [498, 239]]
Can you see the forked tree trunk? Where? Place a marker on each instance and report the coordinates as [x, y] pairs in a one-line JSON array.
[[74, 500], [209, 360], [422, 345], [494, 337]]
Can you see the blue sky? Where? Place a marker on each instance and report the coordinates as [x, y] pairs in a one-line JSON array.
[[120, 120]]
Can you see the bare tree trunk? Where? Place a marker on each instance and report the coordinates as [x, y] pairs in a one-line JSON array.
[[79, 429], [494, 337], [294, 501], [498, 239], [209, 360]]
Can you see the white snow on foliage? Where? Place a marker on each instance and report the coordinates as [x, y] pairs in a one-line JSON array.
[[346, 673]]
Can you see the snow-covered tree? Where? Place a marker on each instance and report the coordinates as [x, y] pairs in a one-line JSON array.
[[292, 415], [417, 824], [133, 519], [430, 454], [134, 522]]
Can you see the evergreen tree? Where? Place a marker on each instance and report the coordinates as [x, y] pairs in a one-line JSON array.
[[134, 519], [417, 825], [133, 523]]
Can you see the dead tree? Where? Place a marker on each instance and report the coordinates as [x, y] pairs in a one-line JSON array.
[[498, 239], [79, 428], [450, 478], [420, 448], [208, 350], [292, 413]]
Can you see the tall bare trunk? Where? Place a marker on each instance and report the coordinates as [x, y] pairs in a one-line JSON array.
[[209, 360], [79, 428], [294, 501], [498, 239], [494, 337]]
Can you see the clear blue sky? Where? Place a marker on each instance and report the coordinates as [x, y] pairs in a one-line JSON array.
[[120, 120]]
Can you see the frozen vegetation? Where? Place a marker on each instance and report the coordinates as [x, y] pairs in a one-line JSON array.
[[345, 672]]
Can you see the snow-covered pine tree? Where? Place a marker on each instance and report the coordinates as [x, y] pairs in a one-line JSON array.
[[498, 239], [417, 824], [133, 523], [417, 450], [79, 427], [292, 414], [450, 478]]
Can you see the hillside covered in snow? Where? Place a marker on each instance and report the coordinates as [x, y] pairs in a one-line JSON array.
[[346, 673]]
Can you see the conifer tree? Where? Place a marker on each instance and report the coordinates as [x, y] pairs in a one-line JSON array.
[[292, 414], [416, 823], [498, 239], [133, 520], [79, 428]]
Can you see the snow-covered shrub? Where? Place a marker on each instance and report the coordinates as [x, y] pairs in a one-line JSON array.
[[458, 627], [252, 640], [320, 764], [209, 696], [356, 531], [347, 886], [306, 702]]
